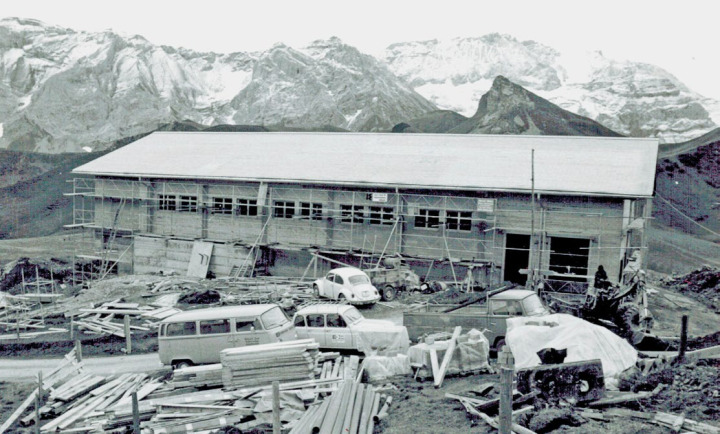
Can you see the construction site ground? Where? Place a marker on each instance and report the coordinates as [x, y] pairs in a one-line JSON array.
[[418, 407]]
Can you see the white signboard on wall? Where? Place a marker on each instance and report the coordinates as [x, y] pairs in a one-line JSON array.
[[379, 197], [486, 205]]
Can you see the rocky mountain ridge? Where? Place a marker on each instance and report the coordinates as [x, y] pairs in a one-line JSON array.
[[632, 98], [65, 91]]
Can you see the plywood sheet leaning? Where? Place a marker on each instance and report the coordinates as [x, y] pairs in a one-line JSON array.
[[200, 259]]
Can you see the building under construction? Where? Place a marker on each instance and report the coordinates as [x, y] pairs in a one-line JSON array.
[[511, 206]]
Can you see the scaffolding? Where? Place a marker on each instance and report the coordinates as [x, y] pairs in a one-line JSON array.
[[434, 227]]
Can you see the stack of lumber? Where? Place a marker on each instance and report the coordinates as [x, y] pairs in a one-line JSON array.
[[262, 364], [198, 376], [354, 408], [667, 420], [107, 319], [82, 402]]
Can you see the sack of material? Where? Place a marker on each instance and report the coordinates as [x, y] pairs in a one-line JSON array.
[[583, 340]]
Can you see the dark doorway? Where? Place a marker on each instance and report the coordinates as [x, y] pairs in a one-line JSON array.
[[517, 253], [569, 256]]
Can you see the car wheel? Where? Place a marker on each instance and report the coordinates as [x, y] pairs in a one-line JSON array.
[[389, 293], [182, 364], [316, 291], [341, 298]]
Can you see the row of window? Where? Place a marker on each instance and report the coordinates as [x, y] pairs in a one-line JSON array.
[[211, 327], [375, 215]]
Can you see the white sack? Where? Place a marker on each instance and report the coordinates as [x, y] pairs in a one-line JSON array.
[[382, 367], [377, 338], [583, 340]]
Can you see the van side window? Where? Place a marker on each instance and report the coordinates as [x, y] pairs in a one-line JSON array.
[[244, 325], [180, 329], [316, 320], [335, 320], [299, 321], [214, 326]]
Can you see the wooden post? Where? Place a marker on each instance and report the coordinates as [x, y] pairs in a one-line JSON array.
[[38, 400], [72, 326], [78, 350], [683, 339], [135, 413], [128, 339], [506, 386], [37, 413], [277, 427]]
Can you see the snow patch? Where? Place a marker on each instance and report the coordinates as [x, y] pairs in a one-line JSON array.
[[87, 149], [1, 130]]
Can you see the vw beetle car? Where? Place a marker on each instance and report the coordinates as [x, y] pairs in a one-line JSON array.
[[347, 283], [343, 327]]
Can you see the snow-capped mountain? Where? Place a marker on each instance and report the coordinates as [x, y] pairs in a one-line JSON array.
[[631, 98], [62, 90], [65, 91]]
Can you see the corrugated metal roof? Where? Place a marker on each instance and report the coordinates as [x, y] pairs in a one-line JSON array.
[[563, 164]]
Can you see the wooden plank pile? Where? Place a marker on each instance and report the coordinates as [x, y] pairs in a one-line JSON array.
[[83, 402], [107, 319], [353, 408], [667, 420], [261, 364]]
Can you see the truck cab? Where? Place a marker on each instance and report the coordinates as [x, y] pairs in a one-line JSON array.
[[488, 317]]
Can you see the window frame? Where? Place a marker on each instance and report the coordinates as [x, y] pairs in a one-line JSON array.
[[284, 209], [167, 202], [352, 213], [225, 322], [311, 210], [222, 205], [459, 220], [246, 207], [188, 203], [381, 215], [424, 219]]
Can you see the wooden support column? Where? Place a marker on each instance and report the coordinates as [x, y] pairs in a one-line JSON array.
[[128, 338], [506, 386], [277, 425]]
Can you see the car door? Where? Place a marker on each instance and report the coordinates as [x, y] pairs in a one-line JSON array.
[[337, 286], [300, 326], [316, 327], [327, 285], [337, 333]]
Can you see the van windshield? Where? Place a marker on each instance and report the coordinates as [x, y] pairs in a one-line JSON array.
[[273, 318], [359, 279]]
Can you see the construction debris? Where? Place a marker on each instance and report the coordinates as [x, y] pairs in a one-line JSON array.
[[326, 395]]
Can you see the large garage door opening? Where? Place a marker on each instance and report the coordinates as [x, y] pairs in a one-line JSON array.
[[569, 256], [517, 253]]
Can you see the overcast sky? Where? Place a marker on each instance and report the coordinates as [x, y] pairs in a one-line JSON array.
[[680, 37]]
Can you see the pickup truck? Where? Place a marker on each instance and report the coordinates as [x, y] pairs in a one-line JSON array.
[[488, 317]]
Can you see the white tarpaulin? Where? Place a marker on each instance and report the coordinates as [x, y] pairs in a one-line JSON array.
[[583, 340], [380, 338]]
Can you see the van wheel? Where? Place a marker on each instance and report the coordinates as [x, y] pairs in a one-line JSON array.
[[316, 291], [499, 344], [182, 364], [389, 293]]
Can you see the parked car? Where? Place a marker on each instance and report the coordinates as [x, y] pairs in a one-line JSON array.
[[198, 336], [347, 283], [343, 327], [488, 317]]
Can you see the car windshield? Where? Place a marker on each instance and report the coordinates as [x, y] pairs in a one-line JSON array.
[[533, 305], [273, 318], [359, 279], [352, 315]]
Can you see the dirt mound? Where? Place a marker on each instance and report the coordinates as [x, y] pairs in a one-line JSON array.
[[209, 296], [11, 274], [693, 389], [702, 284]]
